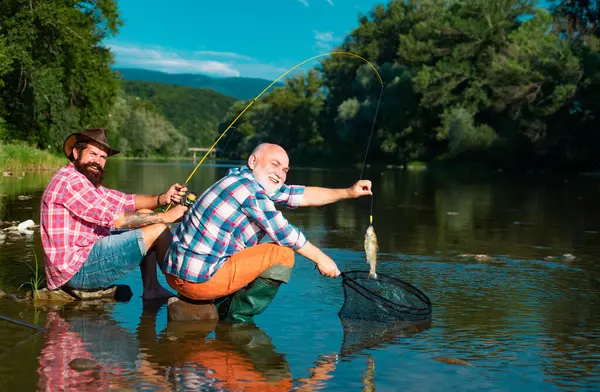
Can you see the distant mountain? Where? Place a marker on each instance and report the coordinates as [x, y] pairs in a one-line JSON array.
[[195, 112], [239, 87]]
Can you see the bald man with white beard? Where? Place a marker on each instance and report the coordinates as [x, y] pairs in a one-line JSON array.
[[216, 255]]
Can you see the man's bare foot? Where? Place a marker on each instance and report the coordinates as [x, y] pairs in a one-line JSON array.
[[158, 292]]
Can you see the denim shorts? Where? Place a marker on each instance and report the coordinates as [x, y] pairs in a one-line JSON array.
[[111, 258]]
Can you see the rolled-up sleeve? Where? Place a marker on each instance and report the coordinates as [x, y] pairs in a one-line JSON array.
[[261, 209], [124, 200], [88, 204], [289, 195]]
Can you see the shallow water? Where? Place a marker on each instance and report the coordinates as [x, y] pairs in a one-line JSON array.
[[527, 319]]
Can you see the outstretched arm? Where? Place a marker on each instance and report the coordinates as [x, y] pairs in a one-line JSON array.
[[142, 218], [317, 196]]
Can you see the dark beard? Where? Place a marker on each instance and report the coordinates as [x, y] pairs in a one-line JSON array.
[[95, 178]]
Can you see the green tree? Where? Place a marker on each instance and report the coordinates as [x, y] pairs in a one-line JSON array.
[[139, 130], [288, 116], [60, 77], [195, 112]]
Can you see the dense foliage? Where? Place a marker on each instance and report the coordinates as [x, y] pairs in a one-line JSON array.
[[500, 82], [54, 74], [195, 112]]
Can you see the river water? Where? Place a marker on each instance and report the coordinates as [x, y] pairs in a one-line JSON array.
[[528, 318]]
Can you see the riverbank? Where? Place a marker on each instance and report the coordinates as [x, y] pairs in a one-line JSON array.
[[20, 157]]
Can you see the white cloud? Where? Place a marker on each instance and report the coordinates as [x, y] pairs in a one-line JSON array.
[[267, 71], [210, 53], [204, 62], [326, 36], [305, 2], [170, 62], [324, 40]]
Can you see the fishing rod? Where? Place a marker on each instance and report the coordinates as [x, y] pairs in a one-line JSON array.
[[342, 53], [23, 323]]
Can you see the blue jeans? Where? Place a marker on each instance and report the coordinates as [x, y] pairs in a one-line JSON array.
[[111, 258]]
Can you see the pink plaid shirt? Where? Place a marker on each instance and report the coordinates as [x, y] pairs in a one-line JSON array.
[[61, 347], [74, 215]]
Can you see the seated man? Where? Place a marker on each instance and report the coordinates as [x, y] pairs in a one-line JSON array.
[[214, 254], [78, 214]]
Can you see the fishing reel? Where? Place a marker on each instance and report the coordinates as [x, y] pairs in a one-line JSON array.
[[189, 199]]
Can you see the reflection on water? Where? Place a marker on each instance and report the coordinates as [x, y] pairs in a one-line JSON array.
[[523, 320]]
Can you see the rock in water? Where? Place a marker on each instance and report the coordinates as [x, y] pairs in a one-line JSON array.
[[51, 295], [452, 361], [24, 226], [115, 292], [83, 364], [183, 309]]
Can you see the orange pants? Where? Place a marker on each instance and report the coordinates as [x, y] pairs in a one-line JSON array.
[[239, 270]]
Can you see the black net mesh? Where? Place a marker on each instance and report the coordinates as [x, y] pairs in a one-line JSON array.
[[382, 299], [362, 334]]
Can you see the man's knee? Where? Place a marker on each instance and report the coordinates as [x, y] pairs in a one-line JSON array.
[[153, 232], [287, 258], [283, 255]]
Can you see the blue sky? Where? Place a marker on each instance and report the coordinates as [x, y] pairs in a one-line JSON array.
[[260, 38]]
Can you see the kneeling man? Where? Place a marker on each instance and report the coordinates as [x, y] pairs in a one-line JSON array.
[[216, 255]]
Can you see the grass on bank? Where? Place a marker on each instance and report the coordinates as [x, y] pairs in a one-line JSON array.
[[22, 157]]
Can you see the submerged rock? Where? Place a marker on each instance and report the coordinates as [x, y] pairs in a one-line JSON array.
[[183, 309], [83, 364], [452, 361], [12, 297], [566, 257], [479, 257]]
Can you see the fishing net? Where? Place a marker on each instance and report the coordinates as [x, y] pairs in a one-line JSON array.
[[362, 334], [382, 299]]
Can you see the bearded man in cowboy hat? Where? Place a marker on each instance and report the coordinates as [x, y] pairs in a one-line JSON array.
[[79, 217]]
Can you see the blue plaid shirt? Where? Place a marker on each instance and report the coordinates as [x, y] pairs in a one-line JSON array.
[[233, 214]]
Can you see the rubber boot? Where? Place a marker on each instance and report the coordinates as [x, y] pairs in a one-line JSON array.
[[244, 304]]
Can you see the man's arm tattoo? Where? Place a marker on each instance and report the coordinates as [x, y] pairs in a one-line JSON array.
[[135, 220]]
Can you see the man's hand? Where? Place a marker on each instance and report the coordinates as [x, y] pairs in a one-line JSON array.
[[327, 267], [360, 188], [173, 195], [318, 196], [324, 264]]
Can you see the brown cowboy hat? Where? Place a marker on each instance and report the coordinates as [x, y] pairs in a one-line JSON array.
[[97, 135]]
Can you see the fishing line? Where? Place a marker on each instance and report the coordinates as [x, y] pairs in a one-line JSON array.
[[268, 87], [367, 152], [228, 140]]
